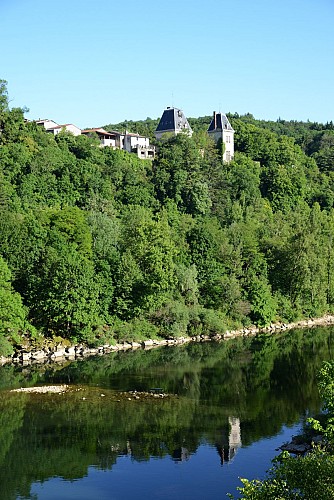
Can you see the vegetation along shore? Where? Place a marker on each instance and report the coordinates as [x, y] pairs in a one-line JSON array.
[[101, 248], [53, 351]]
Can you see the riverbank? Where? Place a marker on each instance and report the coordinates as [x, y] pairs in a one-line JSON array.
[[60, 352]]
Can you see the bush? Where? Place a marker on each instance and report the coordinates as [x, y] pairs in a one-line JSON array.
[[6, 348], [134, 331], [213, 322], [172, 319], [310, 477]]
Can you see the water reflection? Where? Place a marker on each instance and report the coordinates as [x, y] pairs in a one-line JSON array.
[[225, 395]]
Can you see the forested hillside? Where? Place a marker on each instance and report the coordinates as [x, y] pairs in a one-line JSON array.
[[99, 246]]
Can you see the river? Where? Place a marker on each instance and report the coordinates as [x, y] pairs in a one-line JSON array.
[[173, 422]]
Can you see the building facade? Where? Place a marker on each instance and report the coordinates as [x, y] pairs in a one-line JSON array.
[[220, 129]]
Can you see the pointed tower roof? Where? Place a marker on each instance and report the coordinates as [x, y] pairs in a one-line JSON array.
[[173, 121], [219, 122]]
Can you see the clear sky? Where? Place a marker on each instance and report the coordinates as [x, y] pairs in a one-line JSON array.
[[92, 63]]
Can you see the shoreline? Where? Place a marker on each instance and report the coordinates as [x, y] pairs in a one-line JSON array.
[[61, 353]]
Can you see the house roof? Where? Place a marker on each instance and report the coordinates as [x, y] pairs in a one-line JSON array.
[[99, 131], [65, 125], [47, 124], [219, 122], [173, 119], [132, 134], [42, 120]]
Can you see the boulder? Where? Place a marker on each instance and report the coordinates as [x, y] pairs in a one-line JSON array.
[[70, 351], [25, 356], [38, 355], [147, 343]]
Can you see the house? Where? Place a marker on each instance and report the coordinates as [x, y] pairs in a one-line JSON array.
[[220, 129], [132, 143], [172, 121], [106, 138], [53, 127], [47, 124], [138, 144], [68, 127]]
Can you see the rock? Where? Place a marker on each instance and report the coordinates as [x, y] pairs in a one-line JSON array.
[[45, 389], [71, 351], [26, 356], [318, 439], [297, 449], [135, 345], [38, 355], [147, 343], [59, 353], [126, 346]]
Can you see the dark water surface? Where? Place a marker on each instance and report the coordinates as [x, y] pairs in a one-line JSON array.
[[229, 406]]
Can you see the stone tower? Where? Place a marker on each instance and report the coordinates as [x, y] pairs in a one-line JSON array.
[[221, 129]]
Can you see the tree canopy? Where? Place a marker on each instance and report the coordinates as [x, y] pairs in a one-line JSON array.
[[97, 240]]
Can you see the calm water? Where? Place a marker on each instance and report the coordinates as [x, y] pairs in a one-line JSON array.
[[230, 406]]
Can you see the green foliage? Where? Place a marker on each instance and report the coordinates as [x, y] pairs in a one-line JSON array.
[[213, 322], [13, 315], [310, 476], [326, 385], [91, 234], [135, 330], [178, 176], [173, 319], [264, 305], [326, 389]]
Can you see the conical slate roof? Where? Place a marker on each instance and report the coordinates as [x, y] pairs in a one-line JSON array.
[[173, 120], [219, 122]]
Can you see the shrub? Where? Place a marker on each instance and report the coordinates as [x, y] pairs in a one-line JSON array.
[[213, 322], [135, 330]]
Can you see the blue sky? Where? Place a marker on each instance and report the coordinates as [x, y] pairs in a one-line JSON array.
[[91, 63]]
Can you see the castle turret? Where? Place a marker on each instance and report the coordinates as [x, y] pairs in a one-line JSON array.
[[221, 129], [173, 121]]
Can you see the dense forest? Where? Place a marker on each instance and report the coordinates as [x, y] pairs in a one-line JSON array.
[[99, 246]]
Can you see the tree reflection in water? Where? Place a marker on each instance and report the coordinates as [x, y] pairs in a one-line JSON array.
[[227, 395]]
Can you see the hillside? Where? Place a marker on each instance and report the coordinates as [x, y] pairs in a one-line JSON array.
[[98, 246]]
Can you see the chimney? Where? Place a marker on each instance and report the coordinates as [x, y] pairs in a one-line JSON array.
[[214, 120]]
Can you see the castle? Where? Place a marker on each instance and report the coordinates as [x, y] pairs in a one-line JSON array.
[[172, 122]]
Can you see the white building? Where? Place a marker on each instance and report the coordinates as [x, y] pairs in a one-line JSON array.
[[68, 127], [134, 143], [221, 129], [53, 127], [47, 124], [106, 138]]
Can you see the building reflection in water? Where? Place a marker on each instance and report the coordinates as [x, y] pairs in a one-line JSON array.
[[231, 442]]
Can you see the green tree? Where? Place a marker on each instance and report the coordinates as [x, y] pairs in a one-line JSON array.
[[177, 175], [13, 315]]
